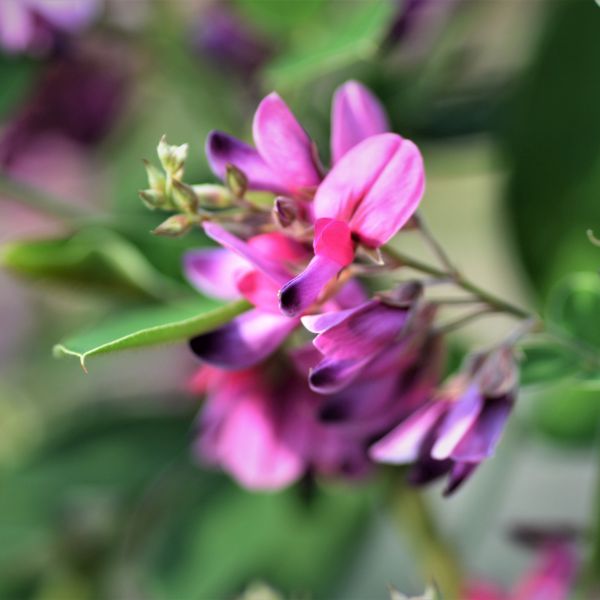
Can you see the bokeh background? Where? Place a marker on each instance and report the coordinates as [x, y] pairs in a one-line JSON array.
[[99, 494]]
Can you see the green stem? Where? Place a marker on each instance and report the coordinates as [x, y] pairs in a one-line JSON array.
[[491, 300], [432, 551], [39, 200]]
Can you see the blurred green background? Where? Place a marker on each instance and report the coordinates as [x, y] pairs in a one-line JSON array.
[[99, 495]]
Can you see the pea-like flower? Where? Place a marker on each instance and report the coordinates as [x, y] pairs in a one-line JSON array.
[[460, 427]]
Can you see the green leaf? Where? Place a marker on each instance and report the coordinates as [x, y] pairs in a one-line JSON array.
[[574, 308], [545, 362], [151, 326], [552, 143], [569, 413], [351, 35], [294, 544], [97, 257], [16, 74]]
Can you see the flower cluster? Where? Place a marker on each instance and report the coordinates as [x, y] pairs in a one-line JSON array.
[[297, 242]]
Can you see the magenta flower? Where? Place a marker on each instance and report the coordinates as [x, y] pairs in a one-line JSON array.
[[552, 578], [285, 159], [243, 269], [349, 340], [31, 24], [455, 431], [368, 196]]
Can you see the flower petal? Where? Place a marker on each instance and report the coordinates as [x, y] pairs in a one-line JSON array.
[[16, 25], [284, 145], [356, 115], [375, 188], [403, 444], [302, 291], [266, 265], [460, 418], [245, 341], [223, 149], [460, 472], [215, 272], [70, 15], [332, 375], [480, 441]]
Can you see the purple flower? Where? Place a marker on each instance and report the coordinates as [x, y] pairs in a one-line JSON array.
[[31, 25], [229, 41], [78, 97], [458, 429]]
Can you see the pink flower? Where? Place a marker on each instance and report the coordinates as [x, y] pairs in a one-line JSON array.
[[454, 432], [285, 159], [30, 24], [552, 578], [254, 270], [368, 196]]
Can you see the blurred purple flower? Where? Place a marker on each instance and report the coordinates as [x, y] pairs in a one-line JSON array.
[[33, 25], [78, 97], [460, 427], [229, 41]]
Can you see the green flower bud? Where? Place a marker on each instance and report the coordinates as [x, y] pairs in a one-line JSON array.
[[154, 199], [213, 196], [172, 158], [184, 197], [236, 180], [175, 226], [156, 178]]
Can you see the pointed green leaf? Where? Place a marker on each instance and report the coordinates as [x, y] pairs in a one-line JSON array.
[[150, 326]]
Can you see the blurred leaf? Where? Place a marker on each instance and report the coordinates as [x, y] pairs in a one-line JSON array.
[[296, 546], [574, 308], [279, 15], [150, 326], [545, 361], [353, 34], [568, 413], [88, 488], [94, 257], [552, 144]]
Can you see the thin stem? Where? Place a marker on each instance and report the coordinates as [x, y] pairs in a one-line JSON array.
[[435, 246], [493, 301], [433, 552], [458, 323], [39, 200]]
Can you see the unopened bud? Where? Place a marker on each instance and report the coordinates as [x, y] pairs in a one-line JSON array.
[[404, 295], [236, 180], [213, 196], [154, 199], [174, 226], [171, 157], [498, 373], [285, 211], [184, 197], [156, 178]]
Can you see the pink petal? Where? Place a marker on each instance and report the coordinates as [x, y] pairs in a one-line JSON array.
[[460, 418], [223, 149], [266, 265], [16, 25], [403, 444], [280, 247], [215, 272], [356, 115], [284, 145], [333, 239], [331, 375], [375, 188], [323, 322], [245, 341]]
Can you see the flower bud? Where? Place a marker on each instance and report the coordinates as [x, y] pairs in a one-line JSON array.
[[285, 211], [236, 180], [154, 199], [184, 197], [172, 158], [156, 178], [213, 196], [174, 226], [498, 373]]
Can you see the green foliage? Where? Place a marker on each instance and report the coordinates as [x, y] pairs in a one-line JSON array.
[[151, 326], [94, 258], [546, 361], [358, 30], [20, 72], [552, 144]]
